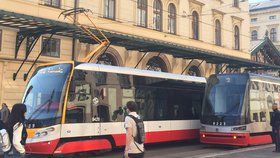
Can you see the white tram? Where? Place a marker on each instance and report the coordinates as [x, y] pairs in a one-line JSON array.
[[79, 107], [237, 107]]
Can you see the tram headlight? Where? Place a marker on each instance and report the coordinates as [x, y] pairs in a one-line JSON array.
[[44, 132], [240, 128]]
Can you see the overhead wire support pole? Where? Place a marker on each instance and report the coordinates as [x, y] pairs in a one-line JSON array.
[[221, 70], [74, 35], [140, 60], [26, 57], [187, 66], [200, 63], [225, 69], [42, 50]]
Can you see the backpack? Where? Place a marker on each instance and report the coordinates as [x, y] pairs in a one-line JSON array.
[[140, 137]]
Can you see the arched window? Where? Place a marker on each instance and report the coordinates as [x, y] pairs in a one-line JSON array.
[[109, 10], [236, 38], [218, 33], [142, 13], [194, 71], [107, 59], [195, 25], [157, 20], [156, 64], [254, 35], [273, 34], [172, 18]]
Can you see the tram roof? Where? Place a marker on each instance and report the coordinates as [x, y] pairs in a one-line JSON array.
[[30, 26], [264, 77], [260, 77], [138, 72]]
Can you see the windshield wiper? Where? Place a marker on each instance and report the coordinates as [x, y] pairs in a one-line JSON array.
[[48, 103]]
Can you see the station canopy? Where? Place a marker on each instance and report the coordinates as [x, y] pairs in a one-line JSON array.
[[30, 26]]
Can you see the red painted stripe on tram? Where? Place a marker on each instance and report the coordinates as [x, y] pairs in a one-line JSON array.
[[83, 146], [102, 144], [261, 139], [162, 136]]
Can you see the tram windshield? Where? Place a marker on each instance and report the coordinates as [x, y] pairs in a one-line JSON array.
[[44, 95], [223, 102]]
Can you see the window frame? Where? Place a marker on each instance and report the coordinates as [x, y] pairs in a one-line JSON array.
[[172, 18], [254, 35], [272, 17], [157, 13], [236, 38], [273, 35], [107, 59], [50, 54], [195, 25], [142, 6], [254, 19], [218, 33], [194, 71], [52, 4], [156, 63], [107, 10]]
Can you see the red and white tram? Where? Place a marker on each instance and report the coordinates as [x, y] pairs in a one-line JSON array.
[[237, 107], [79, 107]]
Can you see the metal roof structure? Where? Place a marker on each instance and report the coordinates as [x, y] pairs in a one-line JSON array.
[[31, 28], [262, 43]]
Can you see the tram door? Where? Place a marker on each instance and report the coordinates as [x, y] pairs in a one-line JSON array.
[[81, 118]]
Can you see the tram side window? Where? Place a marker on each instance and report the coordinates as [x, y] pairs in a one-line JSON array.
[[120, 91], [102, 97], [263, 116], [255, 117], [80, 108], [256, 102], [167, 99]]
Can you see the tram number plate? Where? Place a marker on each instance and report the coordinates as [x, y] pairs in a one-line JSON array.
[[219, 123]]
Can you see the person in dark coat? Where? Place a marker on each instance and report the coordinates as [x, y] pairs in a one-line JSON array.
[[4, 113], [275, 123]]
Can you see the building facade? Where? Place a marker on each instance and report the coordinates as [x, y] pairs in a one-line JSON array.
[[265, 21], [220, 26]]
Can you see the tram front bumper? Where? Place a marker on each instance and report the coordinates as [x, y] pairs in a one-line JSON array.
[[45, 148], [235, 139]]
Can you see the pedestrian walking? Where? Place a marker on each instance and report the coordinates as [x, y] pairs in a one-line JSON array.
[[275, 123], [4, 113], [17, 132], [135, 133]]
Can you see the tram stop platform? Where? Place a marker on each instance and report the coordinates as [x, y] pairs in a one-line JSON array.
[[264, 151]]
